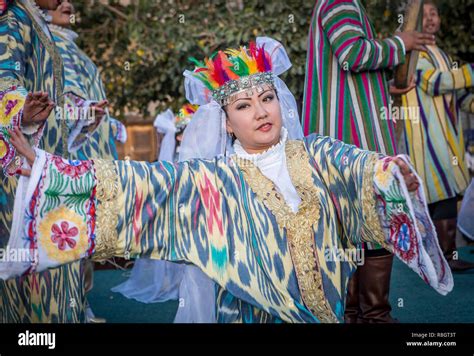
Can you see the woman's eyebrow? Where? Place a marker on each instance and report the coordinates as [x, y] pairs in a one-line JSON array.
[[242, 99], [259, 95]]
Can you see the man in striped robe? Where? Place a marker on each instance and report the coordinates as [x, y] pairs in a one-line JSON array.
[[346, 97], [434, 138]]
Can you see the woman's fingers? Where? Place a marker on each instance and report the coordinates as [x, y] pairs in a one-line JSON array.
[[24, 172], [14, 134], [20, 135], [44, 99], [412, 182], [410, 178], [403, 166], [17, 139]]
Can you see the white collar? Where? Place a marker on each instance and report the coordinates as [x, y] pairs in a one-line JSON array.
[[272, 164], [40, 16], [64, 32], [38, 10], [264, 157]]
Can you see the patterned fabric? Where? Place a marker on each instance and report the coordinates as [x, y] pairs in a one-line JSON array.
[[434, 137], [345, 86], [225, 217], [63, 233], [4, 5], [82, 78], [29, 62], [118, 130]]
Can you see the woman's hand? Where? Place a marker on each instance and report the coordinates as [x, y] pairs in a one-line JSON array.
[[410, 179], [19, 141], [99, 110], [37, 108]]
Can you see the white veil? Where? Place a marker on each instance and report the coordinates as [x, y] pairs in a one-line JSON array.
[[164, 124], [206, 136]]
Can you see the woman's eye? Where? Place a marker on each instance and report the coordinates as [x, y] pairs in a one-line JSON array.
[[268, 98], [242, 106]]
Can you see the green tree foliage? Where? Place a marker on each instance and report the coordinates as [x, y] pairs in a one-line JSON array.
[[142, 46]]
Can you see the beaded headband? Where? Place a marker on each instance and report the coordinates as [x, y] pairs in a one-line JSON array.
[[233, 71]]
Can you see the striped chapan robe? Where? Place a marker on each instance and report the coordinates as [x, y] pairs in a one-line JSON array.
[[433, 133], [29, 62], [82, 78], [226, 217], [345, 87]]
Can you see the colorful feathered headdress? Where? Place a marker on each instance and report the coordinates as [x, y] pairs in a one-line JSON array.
[[234, 71], [184, 116]]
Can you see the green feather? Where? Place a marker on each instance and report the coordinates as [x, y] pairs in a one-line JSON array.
[[239, 66], [196, 62]]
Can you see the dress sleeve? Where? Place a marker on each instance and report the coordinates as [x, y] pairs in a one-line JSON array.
[[13, 52], [76, 209], [374, 205]]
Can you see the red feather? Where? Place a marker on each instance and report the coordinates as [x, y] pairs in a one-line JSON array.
[[218, 74], [253, 49], [261, 59]]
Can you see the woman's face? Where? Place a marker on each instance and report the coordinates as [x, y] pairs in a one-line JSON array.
[[48, 4], [62, 15], [255, 120]]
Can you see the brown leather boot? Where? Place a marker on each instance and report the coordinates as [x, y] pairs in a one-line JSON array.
[[374, 287], [446, 230], [352, 311]]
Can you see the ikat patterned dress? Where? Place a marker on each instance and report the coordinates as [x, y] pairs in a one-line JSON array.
[[224, 216]]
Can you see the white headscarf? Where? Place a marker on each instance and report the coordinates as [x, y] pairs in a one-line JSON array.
[[164, 124], [206, 136]]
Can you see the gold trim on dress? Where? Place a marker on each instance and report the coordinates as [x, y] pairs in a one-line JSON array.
[[106, 211], [7, 83], [57, 73], [299, 226], [373, 229]]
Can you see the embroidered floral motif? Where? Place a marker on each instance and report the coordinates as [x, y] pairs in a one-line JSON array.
[[72, 168], [400, 232], [11, 104], [401, 235], [64, 235], [7, 151], [384, 176], [57, 221]]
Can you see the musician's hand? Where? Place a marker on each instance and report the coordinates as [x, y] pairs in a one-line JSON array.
[[414, 40], [19, 141], [393, 90]]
